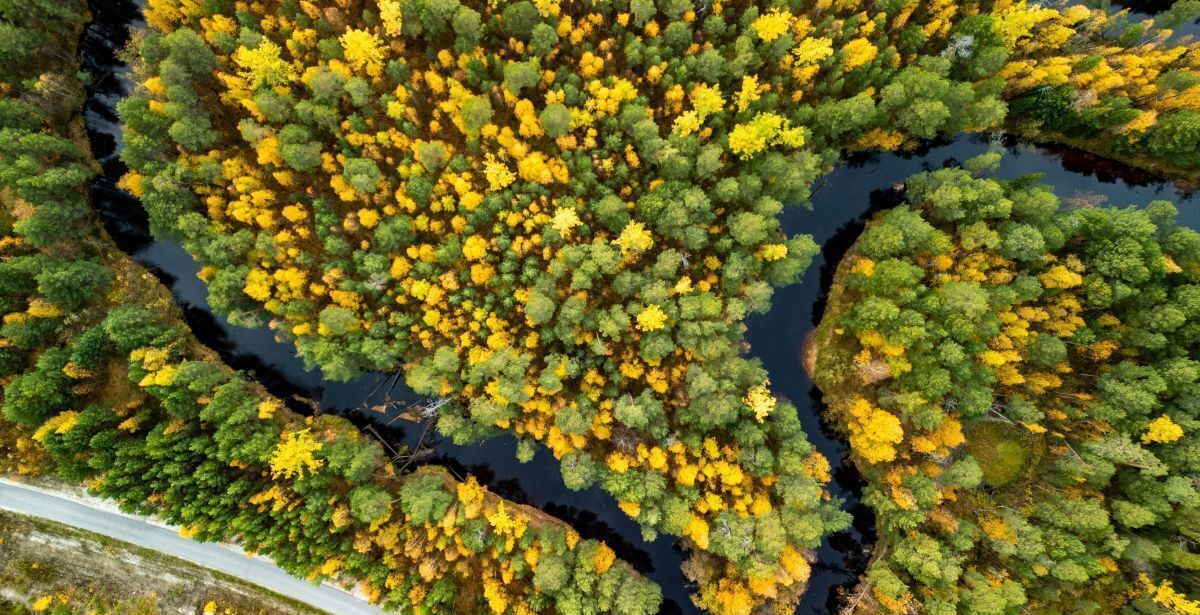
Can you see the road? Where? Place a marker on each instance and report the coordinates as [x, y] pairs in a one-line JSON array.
[[19, 498]]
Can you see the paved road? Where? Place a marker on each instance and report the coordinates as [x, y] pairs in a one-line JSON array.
[[38, 503]]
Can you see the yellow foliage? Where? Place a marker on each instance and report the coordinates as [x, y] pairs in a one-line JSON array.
[[1162, 430], [267, 408], [794, 565], [59, 424], [697, 530], [772, 25], [859, 52], [864, 266], [494, 594], [707, 99], [635, 238], [773, 252], [604, 558], [565, 220], [389, 14], [362, 49], [369, 218], [475, 248], [760, 401], [874, 431], [766, 129], [813, 50], [263, 65], [750, 92], [998, 530], [497, 174], [1060, 277], [727, 597], [1176, 601], [652, 318], [294, 455]]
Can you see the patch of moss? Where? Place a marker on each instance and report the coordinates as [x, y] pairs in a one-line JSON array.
[[1001, 453]]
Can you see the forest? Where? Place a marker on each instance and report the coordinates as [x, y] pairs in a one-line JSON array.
[[105, 385], [1018, 380], [554, 219]]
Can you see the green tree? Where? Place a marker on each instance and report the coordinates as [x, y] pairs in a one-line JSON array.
[[298, 149], [369, 503], [73, 284], [33, 397]]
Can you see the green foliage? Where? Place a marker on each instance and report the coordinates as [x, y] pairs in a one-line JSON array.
[[594, 277], [520, 75], [1176, 137], [297, 149], [33, 397], [369, 503], [425, 499], [1058, 340], [131, 326], [556, 120], [362, 174], [98, 384], [477, 112], [70, 285]]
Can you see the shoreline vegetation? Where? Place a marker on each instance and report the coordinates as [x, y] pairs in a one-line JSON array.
[[120, 396], [1184, 179]]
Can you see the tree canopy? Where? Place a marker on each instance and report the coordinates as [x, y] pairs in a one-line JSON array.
[[558, 215], [1017, 380], [103, 383]]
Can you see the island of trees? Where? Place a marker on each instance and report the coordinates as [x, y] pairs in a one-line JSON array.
[[555, 217], [1018, 382]]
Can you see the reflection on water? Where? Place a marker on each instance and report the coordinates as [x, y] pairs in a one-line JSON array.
[[842, 202]]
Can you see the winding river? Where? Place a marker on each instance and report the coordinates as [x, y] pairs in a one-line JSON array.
[[842, 202]]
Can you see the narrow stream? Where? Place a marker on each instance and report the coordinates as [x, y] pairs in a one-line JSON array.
[[842, 202]]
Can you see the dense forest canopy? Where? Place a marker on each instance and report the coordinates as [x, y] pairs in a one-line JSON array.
[[554, 218], [104, 384], [1020, 382]]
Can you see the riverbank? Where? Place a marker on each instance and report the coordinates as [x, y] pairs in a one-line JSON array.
[[539, 481], [1183, 179], [819, 345]]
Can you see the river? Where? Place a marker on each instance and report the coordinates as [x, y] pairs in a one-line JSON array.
[[842, 202]]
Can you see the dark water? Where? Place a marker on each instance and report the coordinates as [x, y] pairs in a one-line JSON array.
[[1142, 9], [843, 201]]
